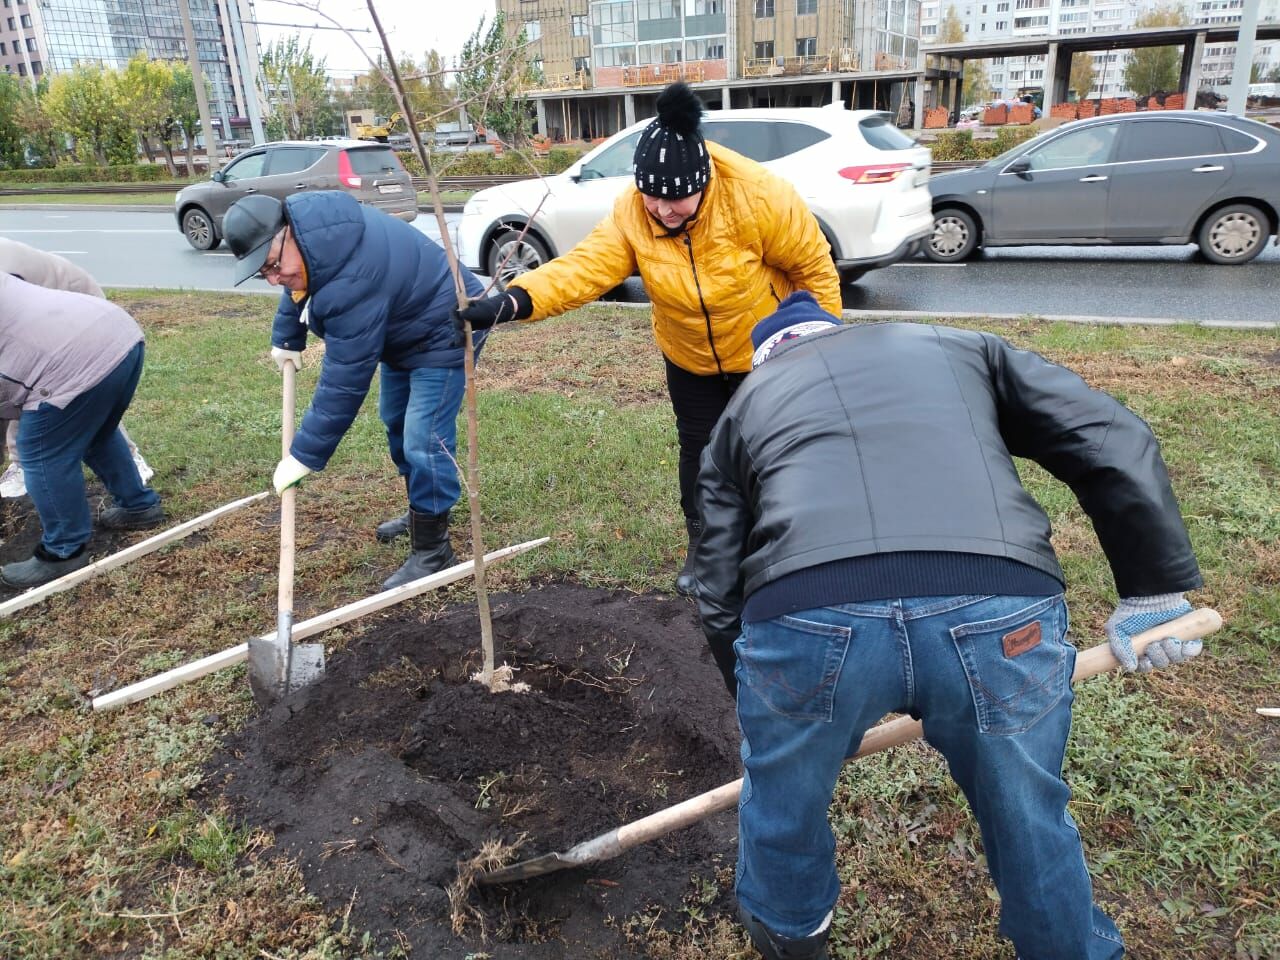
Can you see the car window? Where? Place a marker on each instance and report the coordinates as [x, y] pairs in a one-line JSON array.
[[763, 140], [292, 159], [371, 161], [1237, 142], [1079, 148], [883, 135], [1167, 139], [246, 167], [615, 161]]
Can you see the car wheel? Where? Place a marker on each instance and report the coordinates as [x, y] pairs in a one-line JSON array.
[[1234, 234], [511, 254], [199, 229], [954, 237]]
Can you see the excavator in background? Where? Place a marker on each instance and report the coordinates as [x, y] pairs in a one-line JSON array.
[[380, 130]]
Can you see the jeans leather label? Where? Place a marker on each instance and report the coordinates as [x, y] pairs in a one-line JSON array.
[[1022, 639]]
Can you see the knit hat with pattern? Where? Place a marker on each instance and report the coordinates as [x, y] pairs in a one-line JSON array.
[[671, 158], [797, 316]]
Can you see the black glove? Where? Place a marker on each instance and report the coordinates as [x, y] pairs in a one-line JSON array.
[[512, 304]]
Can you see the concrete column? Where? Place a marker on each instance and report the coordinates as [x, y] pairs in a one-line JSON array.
[[1192, 58], [628, 109], [1243, 64], [541, 105], [726, 99], [835, 92], [957, 93], [919, 95], [1051, 92]]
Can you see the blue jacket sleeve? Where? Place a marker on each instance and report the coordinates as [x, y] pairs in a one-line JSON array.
[[354, 339], [287, 330]]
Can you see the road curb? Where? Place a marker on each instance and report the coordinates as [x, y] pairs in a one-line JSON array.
[[928, 316], [106, 207]]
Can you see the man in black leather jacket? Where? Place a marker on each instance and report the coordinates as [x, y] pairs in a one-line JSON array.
[[868, 548]]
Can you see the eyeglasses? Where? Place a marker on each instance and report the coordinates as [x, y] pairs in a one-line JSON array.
[[274, 266]]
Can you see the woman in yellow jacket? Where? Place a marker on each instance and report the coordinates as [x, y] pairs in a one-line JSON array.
[[718, 241]]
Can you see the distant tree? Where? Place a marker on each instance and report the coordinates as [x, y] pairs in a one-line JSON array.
[[43, 138], [297, 86], [977, 84], [1273, 76], [1083, 74], [146, 92], [86, 103], [186, 111], [951, 29], [1152, 69], [12, 139], [493, 73]]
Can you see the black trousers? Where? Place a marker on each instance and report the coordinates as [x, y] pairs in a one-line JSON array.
[[697, 400]]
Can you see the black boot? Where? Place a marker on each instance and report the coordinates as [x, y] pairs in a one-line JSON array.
[[388, 530], [429, 538], [686, 583], [41, 568], [775, 947]]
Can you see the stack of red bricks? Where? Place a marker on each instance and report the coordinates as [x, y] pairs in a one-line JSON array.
[[1153, 104], [935, 118], [1063, 111], [1021, 113], [1110, 106], [1086, 108], [1175, 101], [1128, 106], [995, 116]]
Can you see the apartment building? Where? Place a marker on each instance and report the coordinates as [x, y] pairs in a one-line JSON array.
[[598, 46], [1010, 76], [52, 36], [1218, 66]]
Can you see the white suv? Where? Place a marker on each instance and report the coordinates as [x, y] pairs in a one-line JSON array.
[[866, 182]]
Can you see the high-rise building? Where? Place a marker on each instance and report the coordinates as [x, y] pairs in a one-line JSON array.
[[53, 36]]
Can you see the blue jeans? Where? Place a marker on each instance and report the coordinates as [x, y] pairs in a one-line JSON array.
[[420, 410], [53, 443], [990, 678]]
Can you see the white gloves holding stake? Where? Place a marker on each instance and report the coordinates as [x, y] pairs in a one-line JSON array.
[[1133, 615], [280, 355]]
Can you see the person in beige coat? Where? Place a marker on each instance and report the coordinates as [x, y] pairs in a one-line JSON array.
[[56, 273]]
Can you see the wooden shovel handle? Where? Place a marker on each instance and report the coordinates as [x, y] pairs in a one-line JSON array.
[[1090, 663], [284, 596]]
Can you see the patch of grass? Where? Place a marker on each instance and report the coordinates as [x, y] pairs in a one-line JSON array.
[[105, 851], [163, 198]]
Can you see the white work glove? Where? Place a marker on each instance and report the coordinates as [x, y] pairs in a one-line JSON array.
[[1136, 614], [289, 472], [280, 355]]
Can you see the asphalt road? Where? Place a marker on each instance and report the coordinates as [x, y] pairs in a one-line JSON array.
[[145, 249]]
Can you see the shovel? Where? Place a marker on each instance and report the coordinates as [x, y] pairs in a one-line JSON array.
[[1090, 663], [276, 667]]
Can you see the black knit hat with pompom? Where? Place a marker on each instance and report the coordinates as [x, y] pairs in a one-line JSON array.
[[671, 157]]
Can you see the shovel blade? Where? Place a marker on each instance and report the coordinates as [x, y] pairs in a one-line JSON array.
[[274, 673], [525, 869]]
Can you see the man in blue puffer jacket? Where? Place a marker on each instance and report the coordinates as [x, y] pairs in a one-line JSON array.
[[379, 293]]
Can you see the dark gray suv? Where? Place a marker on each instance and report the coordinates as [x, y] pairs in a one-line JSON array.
[[370, 172], [1165, 177]]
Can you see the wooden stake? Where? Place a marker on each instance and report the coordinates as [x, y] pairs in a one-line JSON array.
[[308, 628], [150, 545], [469, 356]]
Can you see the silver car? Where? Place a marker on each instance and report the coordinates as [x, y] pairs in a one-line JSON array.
[[1170, 177], [370, 172]]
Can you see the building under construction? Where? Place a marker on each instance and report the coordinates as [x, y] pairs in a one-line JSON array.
[[605, 61]]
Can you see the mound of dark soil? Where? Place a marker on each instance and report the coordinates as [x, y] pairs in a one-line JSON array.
[[380, 778]]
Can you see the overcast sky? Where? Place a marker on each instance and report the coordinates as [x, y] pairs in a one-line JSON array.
[[413, 27]]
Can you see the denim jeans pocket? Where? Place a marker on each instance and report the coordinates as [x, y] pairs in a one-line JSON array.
[[1018, 665], [792, 664]]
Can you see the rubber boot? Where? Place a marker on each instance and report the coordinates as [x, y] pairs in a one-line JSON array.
[[686, 583], [429, 539], [775, 947], [388, 530], [41, 568]]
